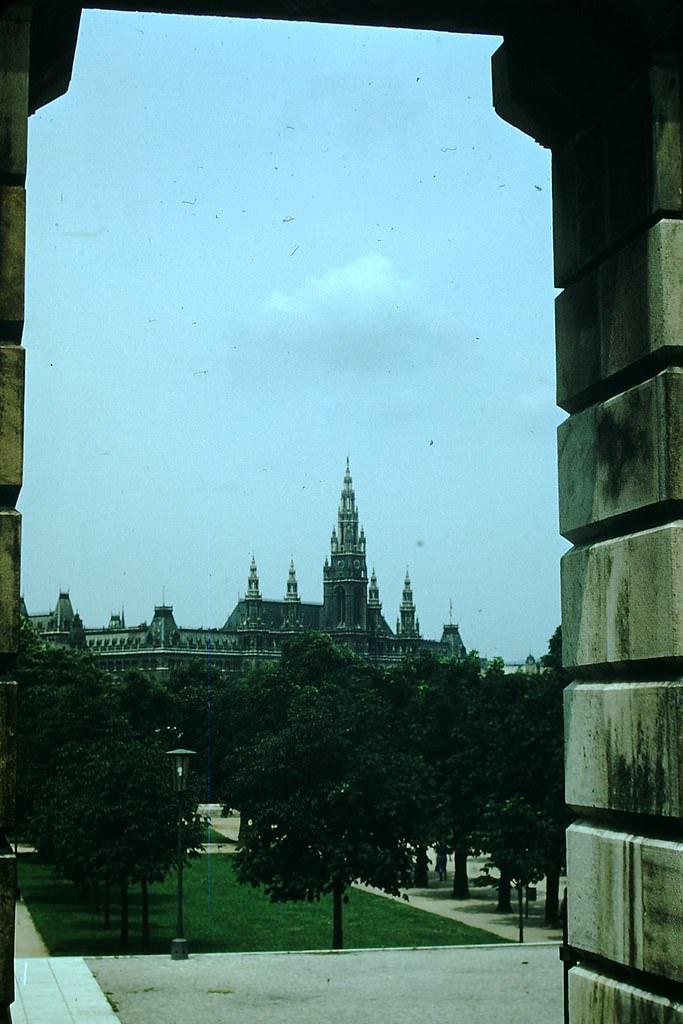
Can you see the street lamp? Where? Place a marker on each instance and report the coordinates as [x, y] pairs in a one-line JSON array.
[[180, 764]]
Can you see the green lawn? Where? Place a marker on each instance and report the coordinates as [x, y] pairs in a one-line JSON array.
[[223, 916]]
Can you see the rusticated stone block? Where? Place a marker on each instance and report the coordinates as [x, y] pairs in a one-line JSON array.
[[10, 562], [11, 421], [622, 600], [622, 456], [12, 252], [627, 312], [624, 747], [8, 889], [8, 757], [14, 63], [626, 899], [595, 997], [622, 172]]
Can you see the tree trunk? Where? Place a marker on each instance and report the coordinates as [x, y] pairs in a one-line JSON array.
[[552, 897], [504, 905], [461, 888], [421, 877], [145, 912], [337, 935], [124, 914]]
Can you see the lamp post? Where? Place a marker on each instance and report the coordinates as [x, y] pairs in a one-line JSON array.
[[180, 764]]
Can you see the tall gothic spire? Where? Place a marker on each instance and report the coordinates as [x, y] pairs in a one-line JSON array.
[[346, 536], [345, 575]]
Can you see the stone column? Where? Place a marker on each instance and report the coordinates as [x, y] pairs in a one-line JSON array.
[[618, 240], [14, 68]]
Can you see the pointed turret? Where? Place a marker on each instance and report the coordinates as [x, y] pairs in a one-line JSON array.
[[252, 585], [374, 604], [408, 625], [292, 609], [253, 602], [373, 592]]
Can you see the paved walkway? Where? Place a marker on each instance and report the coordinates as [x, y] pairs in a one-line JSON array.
[[28, 942], [58, 990], [455, 985], [458, 985]]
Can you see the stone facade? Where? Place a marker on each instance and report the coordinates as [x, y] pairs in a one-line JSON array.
[[617, 206], [14, 77], [256, 628]]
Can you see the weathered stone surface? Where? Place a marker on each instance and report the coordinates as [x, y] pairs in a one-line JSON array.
[[626, 898], [624, 747], [12, 252], [10, 550], [626, 314], [594, 997], [622, 171], [11, 420], [622, 456], [622, 600], [8, 725], [8, 889], [14, 62]]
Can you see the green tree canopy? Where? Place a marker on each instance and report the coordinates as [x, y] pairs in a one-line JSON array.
[[331, 797]]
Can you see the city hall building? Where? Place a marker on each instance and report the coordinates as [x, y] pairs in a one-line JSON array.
[[257, 627]]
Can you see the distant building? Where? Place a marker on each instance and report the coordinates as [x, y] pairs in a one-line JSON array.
[[529, 666], [257, 628]]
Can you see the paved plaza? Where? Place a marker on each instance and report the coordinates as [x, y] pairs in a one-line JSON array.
[[454, 985]]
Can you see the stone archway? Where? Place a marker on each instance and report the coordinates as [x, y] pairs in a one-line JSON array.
[[600, 86]]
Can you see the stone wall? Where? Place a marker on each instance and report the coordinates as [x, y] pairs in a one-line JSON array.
[[14, 68]]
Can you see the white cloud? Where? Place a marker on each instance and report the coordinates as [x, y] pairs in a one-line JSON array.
[[360, 318]]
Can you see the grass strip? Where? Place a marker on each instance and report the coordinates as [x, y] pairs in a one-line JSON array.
[[223, 916]]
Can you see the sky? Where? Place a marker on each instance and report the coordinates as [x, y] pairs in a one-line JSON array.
[[255, 249]]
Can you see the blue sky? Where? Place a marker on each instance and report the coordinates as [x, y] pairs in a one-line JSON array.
[[255, 249]]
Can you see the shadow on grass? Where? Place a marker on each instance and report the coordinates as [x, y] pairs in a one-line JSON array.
[[221, 916]]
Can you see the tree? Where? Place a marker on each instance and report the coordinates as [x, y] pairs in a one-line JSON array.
[[513, 834], [93, 779], [64, 699], [439, 702], [196, 694], [330, 797], [523, 775]]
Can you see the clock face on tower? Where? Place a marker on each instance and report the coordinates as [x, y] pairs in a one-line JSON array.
[[340, 563]]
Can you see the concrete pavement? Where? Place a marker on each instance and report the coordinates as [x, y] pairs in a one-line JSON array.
[[27, 942], [58, 990], [454, 985]]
